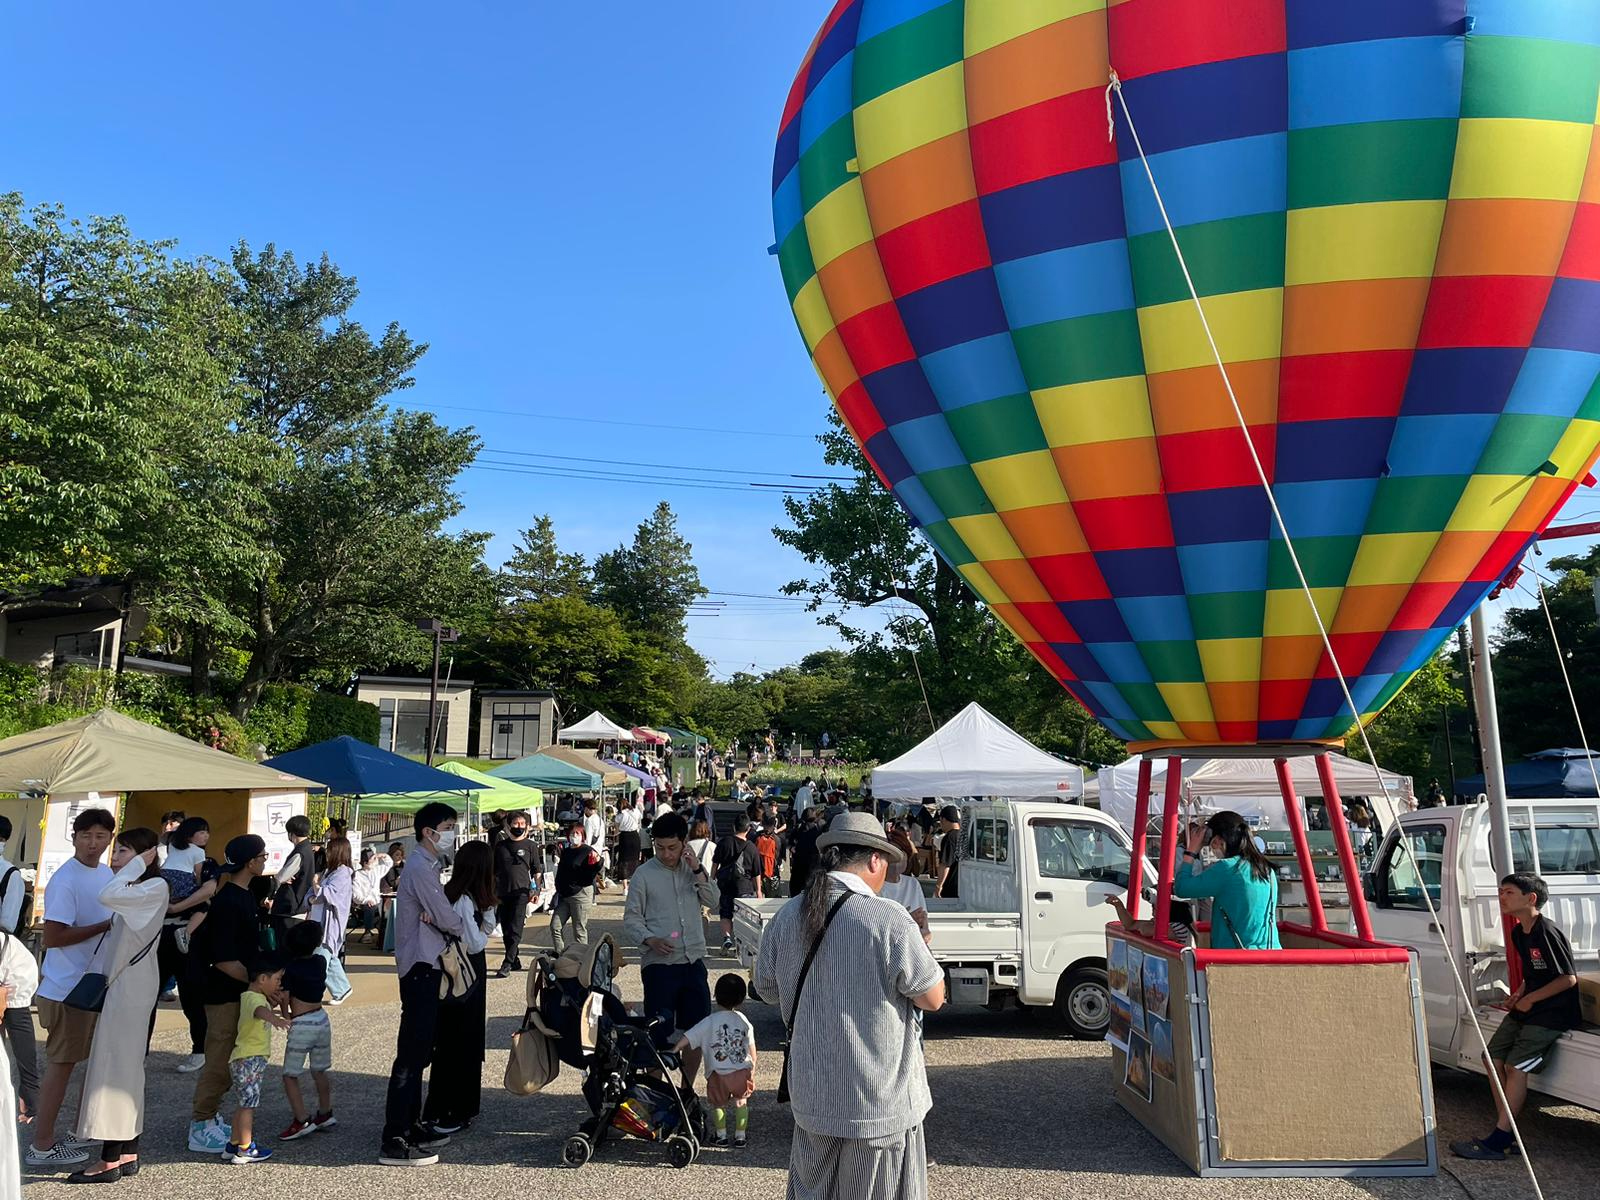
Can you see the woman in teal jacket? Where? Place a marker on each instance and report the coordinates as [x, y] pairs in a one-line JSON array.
[[1241, 882]]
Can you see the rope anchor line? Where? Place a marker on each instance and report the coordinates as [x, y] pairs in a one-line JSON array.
[[1114, 87]]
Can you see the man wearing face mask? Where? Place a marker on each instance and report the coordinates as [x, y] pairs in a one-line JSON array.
[[423, 914], [514, 868]]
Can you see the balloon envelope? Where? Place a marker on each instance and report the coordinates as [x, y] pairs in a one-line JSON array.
[[1391, 210]]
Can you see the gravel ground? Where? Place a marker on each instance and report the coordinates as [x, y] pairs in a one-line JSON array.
[[1019, 1111]]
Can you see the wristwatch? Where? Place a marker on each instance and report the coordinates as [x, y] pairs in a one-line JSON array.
[[1188, 853]]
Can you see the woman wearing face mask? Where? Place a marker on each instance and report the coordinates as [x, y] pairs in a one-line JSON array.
[[113, 1088], [1240, 881]]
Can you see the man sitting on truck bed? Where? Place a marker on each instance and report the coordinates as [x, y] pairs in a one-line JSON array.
[[1543, 1008]]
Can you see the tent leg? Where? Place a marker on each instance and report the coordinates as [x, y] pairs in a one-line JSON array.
[[1169, 847], [1347, 853], [1141, 823], [1302, 848]]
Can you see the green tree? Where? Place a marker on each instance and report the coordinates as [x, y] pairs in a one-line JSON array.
[[1409, 735], [1535, 713], [652, 582], [116, 416], [539, 569]]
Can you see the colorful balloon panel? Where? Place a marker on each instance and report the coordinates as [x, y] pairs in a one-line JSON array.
[[1391, 209]]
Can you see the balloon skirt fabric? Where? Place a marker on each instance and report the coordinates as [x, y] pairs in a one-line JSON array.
[[1391, 211]]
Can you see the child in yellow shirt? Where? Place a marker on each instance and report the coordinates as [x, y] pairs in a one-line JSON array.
[[258, 1009]]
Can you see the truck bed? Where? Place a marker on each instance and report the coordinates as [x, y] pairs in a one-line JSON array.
[[958, 936], [1573, 1073]]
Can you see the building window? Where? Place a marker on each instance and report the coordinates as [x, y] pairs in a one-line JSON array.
[[403, 726], [513, 728], [82, 647]]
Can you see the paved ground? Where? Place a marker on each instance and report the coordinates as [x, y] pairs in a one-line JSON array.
[[1019, 1111]]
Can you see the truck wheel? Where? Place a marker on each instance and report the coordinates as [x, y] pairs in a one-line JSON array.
[[1083, 1002]]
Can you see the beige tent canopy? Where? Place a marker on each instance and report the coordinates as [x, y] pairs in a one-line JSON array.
[[108, 752], [95, 760], [588, 760]]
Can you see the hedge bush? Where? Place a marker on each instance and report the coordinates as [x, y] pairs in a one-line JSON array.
[[330, 714]]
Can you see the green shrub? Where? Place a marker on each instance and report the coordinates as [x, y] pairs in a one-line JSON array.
[[278, 721], [330, 715]]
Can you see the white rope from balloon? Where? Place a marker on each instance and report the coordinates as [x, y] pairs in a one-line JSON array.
[[1354, 885]]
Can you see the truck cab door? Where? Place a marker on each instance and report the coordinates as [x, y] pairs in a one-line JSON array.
[[1074, 864], [1400, 915]]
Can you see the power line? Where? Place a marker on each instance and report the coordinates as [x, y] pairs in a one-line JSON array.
[[611, 462], [773, 489], [416, 406], [605, 473]]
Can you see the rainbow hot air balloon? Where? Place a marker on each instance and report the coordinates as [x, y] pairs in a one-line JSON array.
[[1391, 209]]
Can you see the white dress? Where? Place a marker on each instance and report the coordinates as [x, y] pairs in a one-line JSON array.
[[113, 1089]]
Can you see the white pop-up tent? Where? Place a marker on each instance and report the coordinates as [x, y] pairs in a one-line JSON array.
[[974, 754], [596, 727], [1249, 786]]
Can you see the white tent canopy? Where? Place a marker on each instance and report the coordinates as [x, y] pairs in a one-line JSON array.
[[973, 754], [596, 728], [1249, 786]]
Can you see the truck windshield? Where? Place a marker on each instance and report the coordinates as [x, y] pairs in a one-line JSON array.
[[1078, 850]]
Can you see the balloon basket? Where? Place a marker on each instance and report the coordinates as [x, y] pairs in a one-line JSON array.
[[1311, 1060]]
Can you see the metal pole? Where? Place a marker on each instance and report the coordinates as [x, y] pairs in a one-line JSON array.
[[1141, 823], [433, 693], [1494, 773], [1302, 848], [1449, 752], [1472, 704], [1347, 854], [1169, 848]]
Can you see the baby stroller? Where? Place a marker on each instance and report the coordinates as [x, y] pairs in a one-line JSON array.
[[627, 1084]]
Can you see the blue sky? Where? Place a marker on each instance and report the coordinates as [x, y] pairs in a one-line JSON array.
[[569, 202]]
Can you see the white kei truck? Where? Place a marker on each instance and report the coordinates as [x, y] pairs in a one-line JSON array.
[[1030, 921], [1557, 839]]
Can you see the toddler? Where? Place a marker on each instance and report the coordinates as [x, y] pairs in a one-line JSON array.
[[251, 1049], [728, 1042]]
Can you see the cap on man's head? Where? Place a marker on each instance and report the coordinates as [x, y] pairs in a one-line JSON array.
[[242, 851], [950, 813]]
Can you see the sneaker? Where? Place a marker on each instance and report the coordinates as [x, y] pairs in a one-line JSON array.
[[208, 1137], [398, 1152], [739, 1140], [169, 997], [59, 1155], [504, 972], [253, 1153], [324, 1120], [728, 946], [335, 1001], [516, 965], [296, 1131], [449, 1127], [1476, 1148], [429, 1137], [720, 1139], [190, 1063]]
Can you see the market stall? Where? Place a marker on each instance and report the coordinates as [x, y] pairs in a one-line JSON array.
[[596, 727], [975, 754], [1198, 1035], [138, 771], [548, 773]]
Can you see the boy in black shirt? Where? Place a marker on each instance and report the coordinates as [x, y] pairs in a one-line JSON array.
[[1541, 1010]]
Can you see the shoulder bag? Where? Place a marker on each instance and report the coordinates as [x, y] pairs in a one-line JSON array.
[[89, 993], [799, 989]]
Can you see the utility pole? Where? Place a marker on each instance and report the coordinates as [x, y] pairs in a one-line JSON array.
[[441, 633], [1449, 752]]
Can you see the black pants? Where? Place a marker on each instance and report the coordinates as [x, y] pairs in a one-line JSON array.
[[111, 1151], [455, 1084], [17, 1026], [174, 964], [419, 1022], [513, 914]]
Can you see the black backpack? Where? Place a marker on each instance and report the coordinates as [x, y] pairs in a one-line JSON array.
[[25, 913]]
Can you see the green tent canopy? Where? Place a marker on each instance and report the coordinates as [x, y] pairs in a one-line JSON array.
[[551, 774], [492, 795]]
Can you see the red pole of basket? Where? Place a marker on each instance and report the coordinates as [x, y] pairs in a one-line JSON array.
[[1141, 822], [1302, 848], [1347, 853], [1169, 846]]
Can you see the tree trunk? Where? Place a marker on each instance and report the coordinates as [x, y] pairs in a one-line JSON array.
[[201, 656], [260, 671]]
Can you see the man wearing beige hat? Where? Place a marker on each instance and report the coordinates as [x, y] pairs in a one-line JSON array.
[[848, 970]]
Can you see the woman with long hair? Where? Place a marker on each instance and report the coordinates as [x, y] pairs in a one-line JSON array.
[[455, 1085], [1239, 880], [330, 904], [113, 1088], [366, 901]]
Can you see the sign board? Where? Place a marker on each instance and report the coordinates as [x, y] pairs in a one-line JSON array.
[[269, 815]]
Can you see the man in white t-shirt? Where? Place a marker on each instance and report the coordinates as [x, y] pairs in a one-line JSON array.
[[74, 922]]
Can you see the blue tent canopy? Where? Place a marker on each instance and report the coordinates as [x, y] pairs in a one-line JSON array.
[[550, 774], [349, 767], [1547, 774]]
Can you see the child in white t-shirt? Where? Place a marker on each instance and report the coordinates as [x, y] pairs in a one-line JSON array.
[[728, 1041]]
